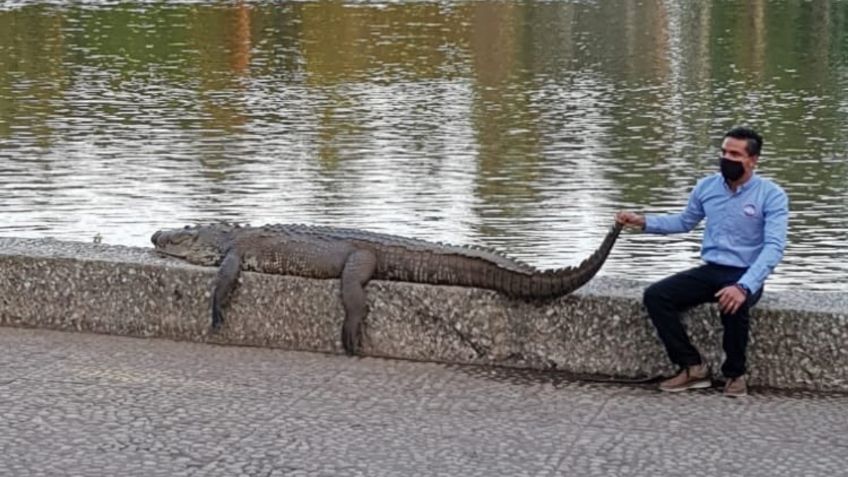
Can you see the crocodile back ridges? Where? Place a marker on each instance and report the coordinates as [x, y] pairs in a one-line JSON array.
[[321, 252], [587, 269], [413, 248], [420, 261]]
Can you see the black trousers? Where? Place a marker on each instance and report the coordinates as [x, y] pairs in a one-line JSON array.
[[669, 297]]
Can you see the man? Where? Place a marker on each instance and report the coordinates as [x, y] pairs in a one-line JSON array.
[[743, 241]]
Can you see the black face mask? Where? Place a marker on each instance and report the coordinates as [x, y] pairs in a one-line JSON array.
[[731, 170]]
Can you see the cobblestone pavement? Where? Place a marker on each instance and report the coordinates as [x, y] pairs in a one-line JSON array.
[[89, 405]]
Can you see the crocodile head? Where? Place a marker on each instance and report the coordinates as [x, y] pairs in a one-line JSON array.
[[201, 245]]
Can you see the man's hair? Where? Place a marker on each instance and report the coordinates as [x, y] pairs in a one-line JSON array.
[[754, 140]]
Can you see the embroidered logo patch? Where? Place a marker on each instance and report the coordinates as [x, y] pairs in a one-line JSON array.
[[750, 210]]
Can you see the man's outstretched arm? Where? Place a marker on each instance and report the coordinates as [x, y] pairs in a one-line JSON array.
[[667, 224]]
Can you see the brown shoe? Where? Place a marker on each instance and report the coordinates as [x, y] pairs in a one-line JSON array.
[[736, 387], [693, 377]]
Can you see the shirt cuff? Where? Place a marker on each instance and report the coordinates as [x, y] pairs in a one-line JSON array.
[[650, 224], [744, 284]]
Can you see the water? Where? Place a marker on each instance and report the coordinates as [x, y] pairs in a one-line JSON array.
[[519, 125]]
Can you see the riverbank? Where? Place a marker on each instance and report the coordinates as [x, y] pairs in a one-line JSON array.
[[798, 339]]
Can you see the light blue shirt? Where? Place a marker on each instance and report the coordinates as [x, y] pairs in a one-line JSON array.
[[746, 228]]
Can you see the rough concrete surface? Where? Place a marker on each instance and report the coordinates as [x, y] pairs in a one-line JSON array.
[[93, 405], [798, 339]]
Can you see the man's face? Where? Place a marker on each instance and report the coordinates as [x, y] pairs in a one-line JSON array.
[[735, 150]]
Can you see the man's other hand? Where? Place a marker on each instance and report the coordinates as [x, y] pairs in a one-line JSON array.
[[730, 298], [630, 219]]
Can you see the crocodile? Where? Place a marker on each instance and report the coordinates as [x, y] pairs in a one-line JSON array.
[[357, 256]]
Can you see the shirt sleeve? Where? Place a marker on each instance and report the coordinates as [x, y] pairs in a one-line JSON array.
[[776, 226], [682, 222]]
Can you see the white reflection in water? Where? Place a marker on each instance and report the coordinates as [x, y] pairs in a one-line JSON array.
[[526, 134]]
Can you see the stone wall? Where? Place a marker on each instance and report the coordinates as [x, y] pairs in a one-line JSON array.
[[798, 339]]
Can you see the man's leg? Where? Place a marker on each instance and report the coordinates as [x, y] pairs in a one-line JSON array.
[[735, 340], [667, 298]]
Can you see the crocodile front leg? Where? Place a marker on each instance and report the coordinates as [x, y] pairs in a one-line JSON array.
[[358, 269], [225, 282]]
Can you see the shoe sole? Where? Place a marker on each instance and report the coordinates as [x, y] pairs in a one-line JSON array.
[[736, 395], [694, 385]]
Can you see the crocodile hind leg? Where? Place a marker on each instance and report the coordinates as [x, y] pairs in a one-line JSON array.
[[358, 269], [225, 282]]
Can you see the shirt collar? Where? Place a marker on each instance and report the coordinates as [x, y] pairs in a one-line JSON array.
[[747, 185], [753, 180]]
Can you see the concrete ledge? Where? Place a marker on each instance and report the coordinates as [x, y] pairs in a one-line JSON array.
[[798, 339]]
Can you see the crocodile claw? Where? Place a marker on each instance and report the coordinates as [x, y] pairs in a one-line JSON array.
[[217, 319], [350, 337]]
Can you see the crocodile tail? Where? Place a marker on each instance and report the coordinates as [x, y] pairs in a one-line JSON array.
[[553, 283]]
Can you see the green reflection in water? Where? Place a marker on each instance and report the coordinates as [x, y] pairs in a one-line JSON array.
[[608, 104]]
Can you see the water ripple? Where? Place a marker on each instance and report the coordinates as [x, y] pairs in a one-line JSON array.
[[518, 125]]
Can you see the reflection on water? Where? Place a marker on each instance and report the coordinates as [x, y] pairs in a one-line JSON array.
[[518, 125]]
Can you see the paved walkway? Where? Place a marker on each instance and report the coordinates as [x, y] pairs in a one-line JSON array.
[[89, 405]]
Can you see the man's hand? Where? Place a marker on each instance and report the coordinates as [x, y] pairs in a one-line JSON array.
[[730, 298], [630, 219]]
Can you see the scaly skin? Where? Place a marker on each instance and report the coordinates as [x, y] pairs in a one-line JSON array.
[[357, 256]]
